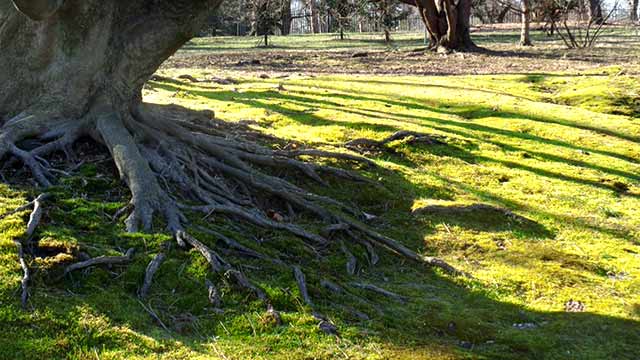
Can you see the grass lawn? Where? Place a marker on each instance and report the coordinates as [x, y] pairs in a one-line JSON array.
[[559, 151]]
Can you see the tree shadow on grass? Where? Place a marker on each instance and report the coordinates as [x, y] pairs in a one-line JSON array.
[[483, 217], [465, 129], [474, 112]]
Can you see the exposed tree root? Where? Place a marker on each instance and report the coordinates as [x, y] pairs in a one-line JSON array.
[[38, 200], [302, 285], [26, 276], [351, 259], [324, 325], [152, 268], [155, 316], [381, 291], [25, 241], [213, 294], [34, 218], [175, 163], [100, 260]]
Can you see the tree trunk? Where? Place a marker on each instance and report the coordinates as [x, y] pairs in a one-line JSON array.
[[315, 17], [595, 12], [448, 23], [79, 68], [525, 13], [633, 10], [89, 53], [503, 13], [285, 20]]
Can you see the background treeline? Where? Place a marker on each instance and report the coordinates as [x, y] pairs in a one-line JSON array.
[[283, 17]]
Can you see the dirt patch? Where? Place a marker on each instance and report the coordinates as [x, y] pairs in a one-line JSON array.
[[501, 55]]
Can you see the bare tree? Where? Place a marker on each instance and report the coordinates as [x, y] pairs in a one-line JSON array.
[[285, 17], [342, 11], [315, 16], [524, 9], [582, 35], [266, 17], [595, 12]]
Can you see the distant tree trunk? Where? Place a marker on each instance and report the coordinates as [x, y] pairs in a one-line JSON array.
[[254, 22], [285, 21], [595, 12], [503, 13], [266, 39], [525, 39], [447, 22], [633, 10], [387, 35], [315, 17]]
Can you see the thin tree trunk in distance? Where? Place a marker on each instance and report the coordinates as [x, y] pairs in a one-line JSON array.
[[595, 12], [525, 39], [285, 21], [633, 10]]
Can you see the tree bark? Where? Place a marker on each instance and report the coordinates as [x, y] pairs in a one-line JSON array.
[[447, 22], [285, 19], [595, 12], [525, 13], [315, 17], [85, 54], [633, 10], [503, 13]]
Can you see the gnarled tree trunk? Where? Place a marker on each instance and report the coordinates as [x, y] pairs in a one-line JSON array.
[[74, 68], [72, 57], [79, 68], [447, 22]]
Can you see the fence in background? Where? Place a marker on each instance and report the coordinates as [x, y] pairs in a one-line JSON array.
[[413, 23]]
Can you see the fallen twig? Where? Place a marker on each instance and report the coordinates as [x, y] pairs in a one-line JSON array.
[[154, 316], [380, 291]]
